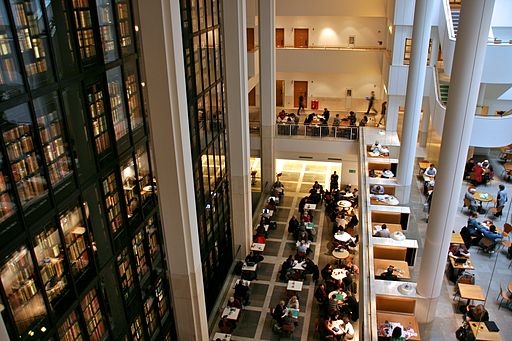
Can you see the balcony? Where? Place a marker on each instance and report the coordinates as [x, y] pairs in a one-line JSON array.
[[313, 131]]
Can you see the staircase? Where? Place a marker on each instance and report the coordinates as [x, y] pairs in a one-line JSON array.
[[455, 19], [443, 91]]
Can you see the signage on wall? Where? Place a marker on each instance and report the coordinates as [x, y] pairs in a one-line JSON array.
[[352, 171]]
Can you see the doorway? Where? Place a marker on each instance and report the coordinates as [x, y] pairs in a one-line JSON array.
[[300, 37], [250, 39], [300, 88], [279, 93], [279, 37], [252, 97]]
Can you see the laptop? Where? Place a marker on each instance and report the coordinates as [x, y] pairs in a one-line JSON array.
[[491, 325], [461, 260]]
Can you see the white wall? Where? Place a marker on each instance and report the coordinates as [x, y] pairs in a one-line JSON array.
[[335, 30], [501, 13], [366, 8]]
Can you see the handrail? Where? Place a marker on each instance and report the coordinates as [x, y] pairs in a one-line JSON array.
[[449, 23], [333, 48], [317, 131], [437, 90]]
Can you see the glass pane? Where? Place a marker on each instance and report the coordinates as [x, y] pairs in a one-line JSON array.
[[7, 206], [125, 272], [70, 329], [74, 230], [84, 32], [193, 13], [124, 22], [55, 146], [150, 313], [202, 22], [19, 282], [96, 110], [152, 236], [33, 41], [107, 30], [115, 91], [112, 203], [131, 193], [197, 59], [162, 297], [60, 33], [11, 83], [24, 160], [143, 173], [93, 317], [137, 329], [131, 83], [50, 259], [140, 254]]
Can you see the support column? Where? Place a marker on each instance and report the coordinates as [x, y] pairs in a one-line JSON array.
[[392, 113], [235, 52], [415, 87], [3, 329], [267, 89], [425, 125], [468, 61], [167, 98], [434, 35], [481, 98]]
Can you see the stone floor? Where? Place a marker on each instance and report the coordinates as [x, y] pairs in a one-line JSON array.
[[255, 322]]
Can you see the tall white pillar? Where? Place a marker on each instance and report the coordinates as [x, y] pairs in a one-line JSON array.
[[392, 113], [435, 46], [481, 97], [3, 328], [235, 52], [425, 124], [267, 9], [468, 61], [167, 98], [415, 87]]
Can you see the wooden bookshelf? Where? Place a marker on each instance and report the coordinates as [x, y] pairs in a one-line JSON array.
[[74, 237], [93, 317], [69, 330], [132, 93], [140, 254], [84, 31], [162, 298], [107, 30], [124, 26], [125, 272], [98, 118], [150, 314], [112, 203], [137, 329], [115, 92], [152, 236]]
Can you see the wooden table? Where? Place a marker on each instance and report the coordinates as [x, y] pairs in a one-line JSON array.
[[456, 238], [466, 266], [424, 164], [259, 247], [339, 274], [481, 200], [381, 265], [390, 226], [481, 332], [344, 203], [294, 286], [471, 292], [222, 337], [310, 206], [390, 200], [231, 313], [404, 319], [341, 254]]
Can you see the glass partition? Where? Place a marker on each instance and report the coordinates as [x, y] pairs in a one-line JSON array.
[[131, 193], [11, 83], [75, 238], [107, 30], [115, 91]]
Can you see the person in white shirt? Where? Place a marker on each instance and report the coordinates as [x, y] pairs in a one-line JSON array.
[[384, 232], [431, 170], [377, 189], [348, 329]]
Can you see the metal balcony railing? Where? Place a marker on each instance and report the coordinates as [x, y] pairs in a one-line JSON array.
[[317, 131]]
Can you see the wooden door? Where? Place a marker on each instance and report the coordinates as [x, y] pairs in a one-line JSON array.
[[300, 88], [252, 97], [300, 37], [279, 93], [250, 39], [280, 37]]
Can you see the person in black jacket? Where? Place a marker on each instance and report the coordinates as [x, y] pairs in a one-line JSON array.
[[293, 225], [279, 312]]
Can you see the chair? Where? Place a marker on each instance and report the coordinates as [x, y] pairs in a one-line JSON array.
[[507, 228], [487, 246], [494, 211], [467, 204], [503, 296]]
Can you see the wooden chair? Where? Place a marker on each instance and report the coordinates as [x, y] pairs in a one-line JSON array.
[[467, 203], [503, 296], [507, 228], [494, 211], [487, 246]]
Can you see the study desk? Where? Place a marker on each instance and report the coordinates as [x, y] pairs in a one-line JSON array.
[[258, 247], [390, 226], [471, 292], [401, 267], [481, 332], [340, 254], [456, 238], [222, 337], [310, 206], [231, 313], [423, 164], [407, 321], [410, 246], [294, 286]]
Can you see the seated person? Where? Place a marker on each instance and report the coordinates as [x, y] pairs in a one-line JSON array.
[[364, 121], [311, 268], [476, 313], [293, 225], [302, 248], [353, 221], [351, 306], [226, 326], [242, 292], [473, 225], [293, 303], [321, 294], [281, 115], [477, 174], [352, 119], [260, 238], [458, 251], [384, 232], [377, 189], [327, 271], [286, 267], [470, 197], [330, 328], [288, 323], [491, 235], [396, 334], [469, 166], [431, 171], [348, 329], [388, 274], [332, 307], [279, 312], [253, 257], [234, 303]]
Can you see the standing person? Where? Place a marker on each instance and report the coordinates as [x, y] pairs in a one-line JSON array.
[[382, 112], [334, 181], [364, 121], [371, 103], [352, 119], [301, 104], [326, 114], [501, 199]]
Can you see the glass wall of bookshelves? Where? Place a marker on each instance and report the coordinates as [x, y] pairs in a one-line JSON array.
[[50, 259], [137, 329], [151, 315], [70, 330], [23, 293], [93, 316], [152, 236], [84, 31], [98, 117], [7, 205], [140, 254], [144, 173], [107, 30], [125, 28], [11, 82], [117, 106], [76, 240], [131, 83], [125, 272], [112, 204]]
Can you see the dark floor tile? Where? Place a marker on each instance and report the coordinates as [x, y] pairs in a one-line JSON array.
[[265, 271], [281, 215], [286, 200], [291, 249], [290, 176], [258, 294], [280, 293], [269, 334], [247, 324], [271, 248]]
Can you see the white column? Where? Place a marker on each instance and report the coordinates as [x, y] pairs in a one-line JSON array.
[[167, 97], [3, 328], [466, 74], [267, 89], [392, 113], [235, 52], [415, 87], [425, 124], [434, 35], [481, 98]]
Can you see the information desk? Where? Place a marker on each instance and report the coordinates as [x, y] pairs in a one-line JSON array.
[[481, 332], [401, 267], [407, 321]]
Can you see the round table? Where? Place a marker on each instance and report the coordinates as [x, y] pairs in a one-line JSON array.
[[336, 292], [482, 197], [340, 254], [337, 324], [344, 203], [339, 274], [510, 286], [342, 237]]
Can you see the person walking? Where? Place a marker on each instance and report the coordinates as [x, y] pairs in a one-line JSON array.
[[301, 104], [371, 103], [382, 112], [501, 199]]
